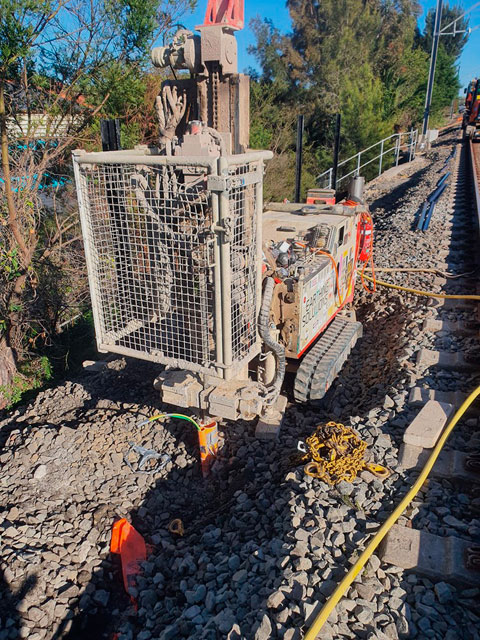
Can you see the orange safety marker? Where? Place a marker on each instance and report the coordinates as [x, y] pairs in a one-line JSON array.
[[208, 439], [132, 549]]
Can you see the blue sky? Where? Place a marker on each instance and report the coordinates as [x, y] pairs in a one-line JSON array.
[[277, 12]]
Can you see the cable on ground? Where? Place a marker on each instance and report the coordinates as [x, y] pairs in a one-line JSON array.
[[428, 294], [445, 274], [342, 588], [180, 416]]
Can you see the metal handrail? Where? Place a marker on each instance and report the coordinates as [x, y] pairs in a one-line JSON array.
[[410, 145]]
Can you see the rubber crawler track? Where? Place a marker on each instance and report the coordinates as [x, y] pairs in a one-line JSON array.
[[320, 366]]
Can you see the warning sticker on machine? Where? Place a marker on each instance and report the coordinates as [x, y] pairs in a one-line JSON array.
[[316, 305]]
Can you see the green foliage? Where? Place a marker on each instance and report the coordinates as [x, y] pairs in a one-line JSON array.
[[363, 98], [30, 376], [366, 60], [260, 137], [73, 62], [407, 98], [446, 86], [17, 32], [10, 263]]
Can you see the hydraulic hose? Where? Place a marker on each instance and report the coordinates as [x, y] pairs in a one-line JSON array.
[[429, 294], [386, 526], [277, 349]]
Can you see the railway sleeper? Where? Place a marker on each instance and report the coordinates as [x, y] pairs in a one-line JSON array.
[[446, 558], [451, 361], [451, 465]]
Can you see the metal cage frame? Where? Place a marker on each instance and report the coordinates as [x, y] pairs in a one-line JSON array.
[[173, 247]]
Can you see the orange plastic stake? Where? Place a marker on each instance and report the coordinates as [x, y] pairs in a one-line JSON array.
[[208, 438], [132, 549]]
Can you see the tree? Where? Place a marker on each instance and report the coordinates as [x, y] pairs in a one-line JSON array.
[[332, 61], [446, 86], [362, 58], [62, 63]]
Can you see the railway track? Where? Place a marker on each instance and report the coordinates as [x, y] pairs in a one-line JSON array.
[[475, 162], [454, 555], [433, 546], [264, 545]]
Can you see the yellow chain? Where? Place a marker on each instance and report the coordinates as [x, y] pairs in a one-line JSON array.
[[336, 453]]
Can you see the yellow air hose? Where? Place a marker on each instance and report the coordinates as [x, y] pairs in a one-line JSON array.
[[386, 526], [429, 294]]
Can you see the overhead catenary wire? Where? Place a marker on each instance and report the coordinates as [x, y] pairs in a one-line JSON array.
[[346, 582]]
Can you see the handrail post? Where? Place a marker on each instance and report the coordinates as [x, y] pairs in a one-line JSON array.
[[410, 144]]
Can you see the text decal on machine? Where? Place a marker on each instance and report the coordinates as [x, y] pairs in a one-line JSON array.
[[315, 303]]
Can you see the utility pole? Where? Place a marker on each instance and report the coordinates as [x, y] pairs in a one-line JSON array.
[[433, 62], [437, 32]]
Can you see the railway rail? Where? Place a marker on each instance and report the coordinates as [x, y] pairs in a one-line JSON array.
[[264, 546]]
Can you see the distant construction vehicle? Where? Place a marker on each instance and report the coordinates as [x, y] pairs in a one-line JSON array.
[[186, 268], [471, 116]]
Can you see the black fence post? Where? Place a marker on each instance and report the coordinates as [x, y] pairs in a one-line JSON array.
[[110, 132], [336, 150], [298, 168]]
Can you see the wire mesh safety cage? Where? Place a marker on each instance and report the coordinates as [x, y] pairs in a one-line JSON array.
[[149, 238], [243, 260]]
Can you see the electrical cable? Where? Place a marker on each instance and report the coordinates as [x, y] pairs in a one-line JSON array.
[[353, 572], [180, 416], [428, 294], [334, 264], [335, 268]]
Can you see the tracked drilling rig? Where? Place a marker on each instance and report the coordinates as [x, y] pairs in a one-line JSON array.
[[186, 268]]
